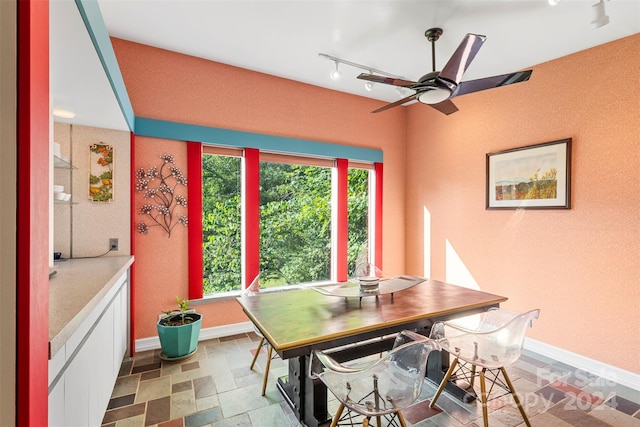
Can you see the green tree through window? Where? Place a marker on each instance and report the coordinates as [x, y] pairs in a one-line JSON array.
[[221, 221], [358, 211], [295, 223]]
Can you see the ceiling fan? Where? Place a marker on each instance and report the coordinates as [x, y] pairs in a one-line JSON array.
[[438, 87]]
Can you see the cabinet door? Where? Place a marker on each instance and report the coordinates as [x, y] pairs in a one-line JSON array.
[[120, 327], [56, 405], [76, 394], [100, 346]]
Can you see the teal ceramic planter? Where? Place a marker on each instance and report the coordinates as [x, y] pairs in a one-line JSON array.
[[182, 340]]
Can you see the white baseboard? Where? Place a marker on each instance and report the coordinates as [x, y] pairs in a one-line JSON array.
[[609, 372], [152, 343]]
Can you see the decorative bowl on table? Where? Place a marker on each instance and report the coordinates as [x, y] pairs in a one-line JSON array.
[[369, 284]]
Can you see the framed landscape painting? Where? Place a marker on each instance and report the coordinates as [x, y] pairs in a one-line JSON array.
[[532, 177]]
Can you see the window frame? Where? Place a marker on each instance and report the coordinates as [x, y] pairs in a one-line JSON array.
[[250, 216]]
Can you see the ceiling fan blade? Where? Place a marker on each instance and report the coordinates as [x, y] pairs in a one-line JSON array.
[[461, 58], [471, 86], [395, 104], [446, 107], [386, 80]]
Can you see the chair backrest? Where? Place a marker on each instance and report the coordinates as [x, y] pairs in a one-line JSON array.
[[253, 288], [398, 376], [494, 341]]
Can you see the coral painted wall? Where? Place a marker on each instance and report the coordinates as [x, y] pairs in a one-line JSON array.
[[579, 266], [171, 86]]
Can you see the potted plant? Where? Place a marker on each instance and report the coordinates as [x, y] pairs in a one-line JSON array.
[[179, 331]]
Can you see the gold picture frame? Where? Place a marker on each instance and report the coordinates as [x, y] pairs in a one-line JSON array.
[[101, 173]]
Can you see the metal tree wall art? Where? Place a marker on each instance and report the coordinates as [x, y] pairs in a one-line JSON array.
[[159, 185]]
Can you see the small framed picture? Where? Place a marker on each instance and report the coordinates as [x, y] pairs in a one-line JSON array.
[[100, 173], [532, 177]]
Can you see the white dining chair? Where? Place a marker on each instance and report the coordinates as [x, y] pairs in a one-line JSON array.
[[490, 341]]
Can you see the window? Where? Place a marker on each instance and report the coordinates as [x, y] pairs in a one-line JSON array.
[[295, 219], [295, 223], [358, 214], [221, 203]]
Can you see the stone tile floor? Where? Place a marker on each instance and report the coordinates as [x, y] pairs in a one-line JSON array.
[[216, 388]]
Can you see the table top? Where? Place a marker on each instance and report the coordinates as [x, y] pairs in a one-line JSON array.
[[297, 321]]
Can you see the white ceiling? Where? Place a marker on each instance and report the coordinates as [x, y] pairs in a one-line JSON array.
[[283, 38]]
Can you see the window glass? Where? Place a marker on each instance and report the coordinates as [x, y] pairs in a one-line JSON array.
[[295, 223], [358, 211], [221, 223]]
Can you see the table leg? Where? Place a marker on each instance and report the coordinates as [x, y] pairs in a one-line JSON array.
[[437, 365], [307, 397]]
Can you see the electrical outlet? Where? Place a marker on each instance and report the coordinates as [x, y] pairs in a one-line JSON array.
[[113, 244]]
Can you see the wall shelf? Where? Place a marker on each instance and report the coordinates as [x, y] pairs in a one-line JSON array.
[[60, 163]]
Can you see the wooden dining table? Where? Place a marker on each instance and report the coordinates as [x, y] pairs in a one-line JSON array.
[[296, 322]]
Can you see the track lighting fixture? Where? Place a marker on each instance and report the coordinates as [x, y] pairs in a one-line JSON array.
[[368, 86], [335, 74], [600, 17]]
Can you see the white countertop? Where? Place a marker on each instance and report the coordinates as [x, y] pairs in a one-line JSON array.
[[76, 289]]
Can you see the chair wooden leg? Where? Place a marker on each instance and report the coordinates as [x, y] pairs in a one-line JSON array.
[[266, 370], [403, 423], [483, 398], [258, 350], [515, 396], [473, 375], [443, 383], [337, 416]]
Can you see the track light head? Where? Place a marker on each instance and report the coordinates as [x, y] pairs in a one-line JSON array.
[[335, 74], [600, 17]]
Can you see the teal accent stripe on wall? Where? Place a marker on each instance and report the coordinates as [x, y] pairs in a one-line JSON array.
[[90, 12], [238, 139]]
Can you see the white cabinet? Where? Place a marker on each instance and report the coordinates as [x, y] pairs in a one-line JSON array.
[[120, 323], [76, 390], [79, 389], [56, 404]]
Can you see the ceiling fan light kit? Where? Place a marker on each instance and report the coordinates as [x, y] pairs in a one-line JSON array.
[[434, 96], [437, 88]]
